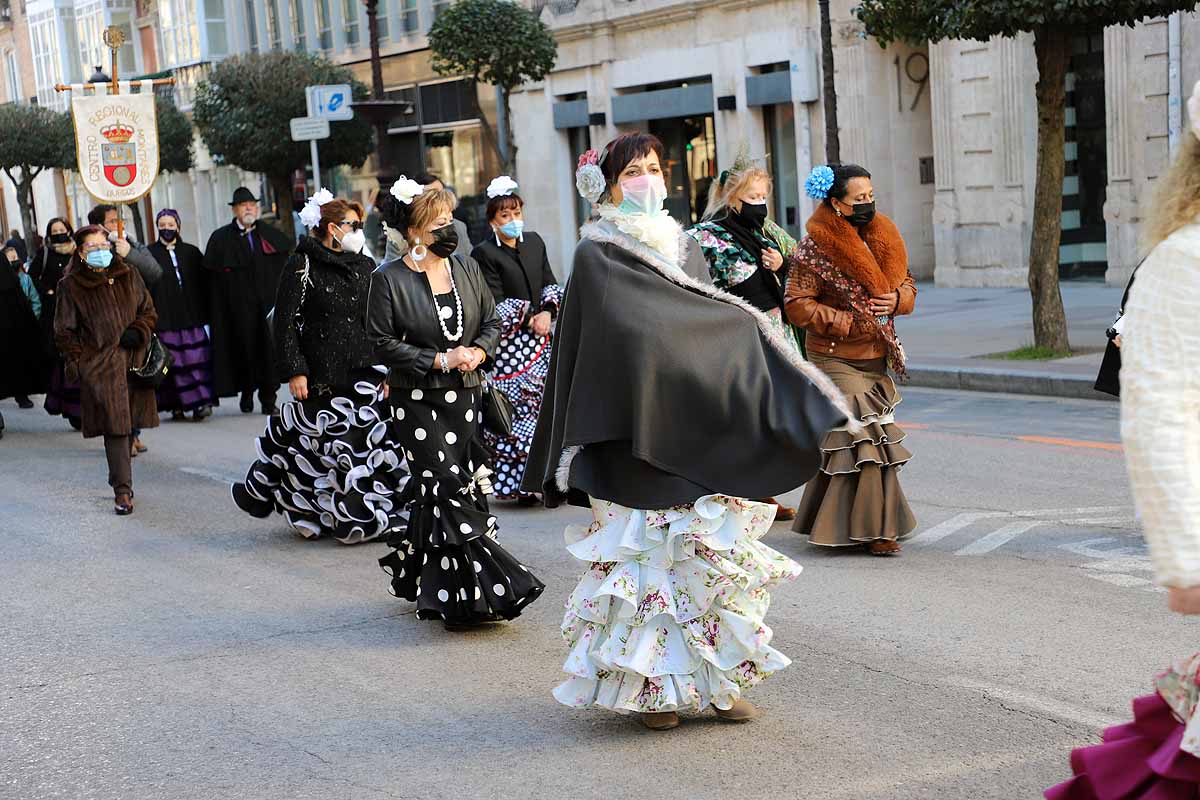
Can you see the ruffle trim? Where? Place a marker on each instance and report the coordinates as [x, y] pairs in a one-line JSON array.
[[1140, 759], [670, 614], [448, 561], [330, 468], [846, 452]]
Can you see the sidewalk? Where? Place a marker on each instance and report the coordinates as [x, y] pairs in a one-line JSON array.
[[953, 330]]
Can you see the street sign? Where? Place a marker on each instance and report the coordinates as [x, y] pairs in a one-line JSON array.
[[309, 129], [331, 101]]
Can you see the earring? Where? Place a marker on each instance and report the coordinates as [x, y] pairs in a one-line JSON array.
[[419, 251], [496, 233], [838, 211]]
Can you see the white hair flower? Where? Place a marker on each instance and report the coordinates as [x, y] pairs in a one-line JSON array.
[[405, 189], [589, 182], [310, 215], [501, 187]]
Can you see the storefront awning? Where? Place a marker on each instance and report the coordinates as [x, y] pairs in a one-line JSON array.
[[685, 101]]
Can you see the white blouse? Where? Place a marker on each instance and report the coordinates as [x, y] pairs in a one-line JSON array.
[[1160, 403]]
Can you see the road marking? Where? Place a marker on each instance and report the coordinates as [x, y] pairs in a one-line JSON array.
[[999, 538], [1074, 443], [1115, 564], [952, 526], [1092, 718], [212, 475]]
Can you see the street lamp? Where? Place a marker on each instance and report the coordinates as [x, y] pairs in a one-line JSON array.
[[378, 110]]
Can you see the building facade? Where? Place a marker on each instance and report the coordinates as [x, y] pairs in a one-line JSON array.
[[949, 131], [710, 78]]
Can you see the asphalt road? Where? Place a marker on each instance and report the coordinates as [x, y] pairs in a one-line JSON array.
[[190, 651]]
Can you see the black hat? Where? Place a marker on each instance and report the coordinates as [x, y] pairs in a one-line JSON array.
[[242, 195]]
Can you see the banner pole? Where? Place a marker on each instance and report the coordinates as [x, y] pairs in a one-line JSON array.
[[114, 37]]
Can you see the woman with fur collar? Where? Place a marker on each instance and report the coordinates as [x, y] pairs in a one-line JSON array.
[[663, 435], [849, 280]]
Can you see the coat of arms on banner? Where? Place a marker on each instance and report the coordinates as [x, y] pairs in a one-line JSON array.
[[119, 154], [116, 141]]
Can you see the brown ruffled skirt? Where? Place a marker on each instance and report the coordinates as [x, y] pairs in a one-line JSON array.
[[856, 497]]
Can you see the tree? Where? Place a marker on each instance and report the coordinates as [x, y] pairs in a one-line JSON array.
[[833, 146], [35, 139], [1052, 23], [497, 42], [243, 109], [176, 149]]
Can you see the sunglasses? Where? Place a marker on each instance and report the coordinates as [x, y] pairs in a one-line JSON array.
[[354, 226]]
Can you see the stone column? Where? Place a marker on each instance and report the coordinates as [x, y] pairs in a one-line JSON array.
[[1121, 213], [945, 201]]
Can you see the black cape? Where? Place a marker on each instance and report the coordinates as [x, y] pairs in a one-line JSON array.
[[24, 364], [663, 389], [241, 291], [180, 305], [47, 269]]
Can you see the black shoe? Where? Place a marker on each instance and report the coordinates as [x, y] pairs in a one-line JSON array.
[[269, 410], [76, 423], [176, 416], [23, 401], [247, 403], [1, 426], [203, 412]]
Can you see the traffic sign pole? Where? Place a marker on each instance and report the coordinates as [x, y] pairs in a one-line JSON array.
[[316, 165]]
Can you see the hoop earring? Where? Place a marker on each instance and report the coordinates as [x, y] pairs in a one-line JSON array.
[[419, 251]]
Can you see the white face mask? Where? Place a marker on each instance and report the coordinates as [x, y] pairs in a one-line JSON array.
[[354, 241], [644, 194]]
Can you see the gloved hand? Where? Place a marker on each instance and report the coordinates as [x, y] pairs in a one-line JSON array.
[[131, 339]]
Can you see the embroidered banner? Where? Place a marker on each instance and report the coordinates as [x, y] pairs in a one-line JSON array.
[[116, 142]]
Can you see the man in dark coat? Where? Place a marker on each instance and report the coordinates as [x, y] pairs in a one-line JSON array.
[[244, 259]]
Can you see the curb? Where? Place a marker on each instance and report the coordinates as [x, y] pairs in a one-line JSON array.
[[977, 379]]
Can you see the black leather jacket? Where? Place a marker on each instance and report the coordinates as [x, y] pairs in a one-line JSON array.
[[403, 327]]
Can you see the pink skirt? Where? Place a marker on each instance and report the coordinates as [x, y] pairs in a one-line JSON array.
[[1139, 760]]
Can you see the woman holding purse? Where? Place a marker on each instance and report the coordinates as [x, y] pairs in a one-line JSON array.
[[103, 323]]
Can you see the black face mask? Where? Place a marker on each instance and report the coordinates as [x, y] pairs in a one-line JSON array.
[[863, 214], [445, 241], [15, 264], [753, 215], [60, 238], [167, 235]]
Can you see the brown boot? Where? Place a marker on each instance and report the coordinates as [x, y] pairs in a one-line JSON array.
[[660, 720], [782, 513], [740, 711]]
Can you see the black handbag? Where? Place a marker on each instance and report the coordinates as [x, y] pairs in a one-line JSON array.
[[159, 361], [497, 410]]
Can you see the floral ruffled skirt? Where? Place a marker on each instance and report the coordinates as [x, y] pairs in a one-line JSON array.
[[669, 615]]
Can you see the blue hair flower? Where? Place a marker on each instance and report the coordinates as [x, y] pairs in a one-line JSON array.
[[819, 182]]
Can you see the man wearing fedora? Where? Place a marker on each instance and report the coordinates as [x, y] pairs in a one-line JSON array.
[[244, 258]]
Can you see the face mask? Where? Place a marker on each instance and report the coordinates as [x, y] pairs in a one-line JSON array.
[[14, 263], [167, 235], [753, 214], [863, 214], [354, 241], [445, 241], [512, 229], [644, 194], [100, 259], [60, 238]]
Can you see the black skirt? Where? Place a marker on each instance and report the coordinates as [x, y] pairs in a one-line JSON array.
[[448, 560]]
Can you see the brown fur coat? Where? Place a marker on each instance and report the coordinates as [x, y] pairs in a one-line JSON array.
[[94, 309]]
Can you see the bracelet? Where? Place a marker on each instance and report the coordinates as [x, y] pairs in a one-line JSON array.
[[445, 363]]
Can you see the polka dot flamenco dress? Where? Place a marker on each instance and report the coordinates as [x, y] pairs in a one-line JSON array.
[[448, 560]]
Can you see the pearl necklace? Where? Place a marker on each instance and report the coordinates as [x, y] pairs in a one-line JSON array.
[[437, 309]]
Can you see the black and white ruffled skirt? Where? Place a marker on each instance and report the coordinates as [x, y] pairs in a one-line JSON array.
[[331, 466], [447, 560]]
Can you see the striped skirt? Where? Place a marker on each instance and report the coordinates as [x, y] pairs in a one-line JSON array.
[[188, 385]]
